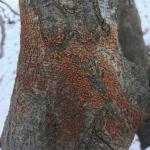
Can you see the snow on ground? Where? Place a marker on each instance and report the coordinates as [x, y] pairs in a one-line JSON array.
[[8, 69], [135, 144], [8, 63]]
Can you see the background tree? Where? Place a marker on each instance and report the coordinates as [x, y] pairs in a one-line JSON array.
[[130, 33], [71, 90], [3, 19]]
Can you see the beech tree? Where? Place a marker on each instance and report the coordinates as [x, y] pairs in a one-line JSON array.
[[74, 88]]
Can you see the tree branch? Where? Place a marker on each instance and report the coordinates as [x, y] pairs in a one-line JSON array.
[[10, 8], [2, 39]]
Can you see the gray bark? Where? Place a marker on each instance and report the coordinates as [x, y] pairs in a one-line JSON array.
[[70, 93], [130, 33]]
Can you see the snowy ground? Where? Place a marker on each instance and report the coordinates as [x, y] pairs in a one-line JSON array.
[[135, 145], [9, 62]]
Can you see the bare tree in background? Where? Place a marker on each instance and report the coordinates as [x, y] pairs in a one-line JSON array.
[[2, 36], [3, 19]]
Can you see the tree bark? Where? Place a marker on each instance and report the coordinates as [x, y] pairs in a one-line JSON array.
[[130, 32], [69, 92]]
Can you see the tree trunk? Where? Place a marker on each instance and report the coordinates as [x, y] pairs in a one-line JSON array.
[[130, 33], [70, 92]]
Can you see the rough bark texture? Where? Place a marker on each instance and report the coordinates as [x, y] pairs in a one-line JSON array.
[[130, 33], [70, 92], [131, 36], [136, 65], [147, 67]]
